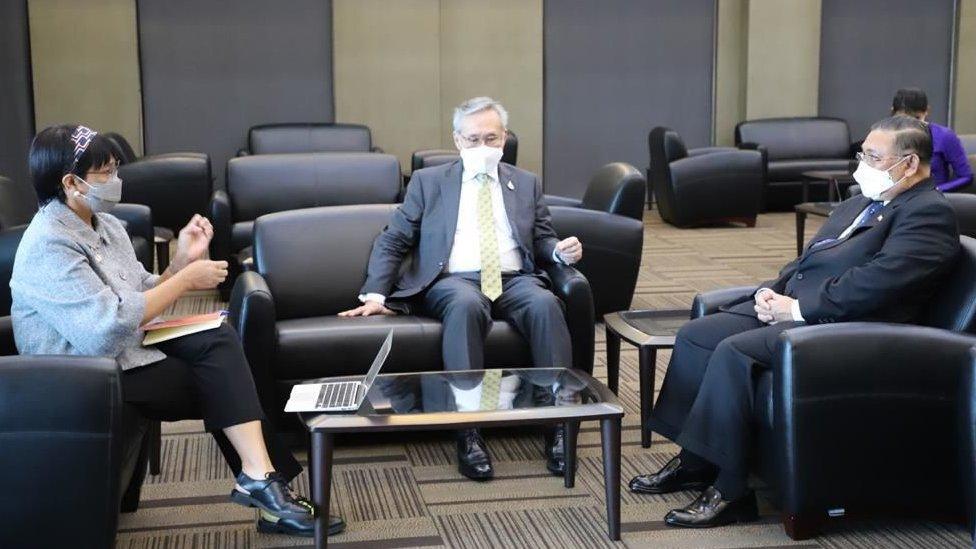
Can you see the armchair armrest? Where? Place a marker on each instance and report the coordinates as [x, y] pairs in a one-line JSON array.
[[252, 313], [221, 218], [707, 303], [137, 219], [573, 288], [555, 200], [845, 396], [708, 150]]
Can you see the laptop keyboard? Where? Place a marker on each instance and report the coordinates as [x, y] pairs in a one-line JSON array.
[[336, 395]]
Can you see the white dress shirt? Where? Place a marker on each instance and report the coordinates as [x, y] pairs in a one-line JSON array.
[[466, 252]]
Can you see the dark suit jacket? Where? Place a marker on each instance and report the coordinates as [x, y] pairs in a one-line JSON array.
[[426, 222], [884, 271]]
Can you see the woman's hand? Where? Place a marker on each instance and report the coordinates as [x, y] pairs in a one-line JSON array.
[[203, 274], [193, 242]]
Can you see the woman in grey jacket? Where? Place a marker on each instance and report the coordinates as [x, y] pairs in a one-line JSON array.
[[78, 289]]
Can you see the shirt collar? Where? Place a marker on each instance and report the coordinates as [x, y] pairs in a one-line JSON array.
[[60, 212], [467, 175]]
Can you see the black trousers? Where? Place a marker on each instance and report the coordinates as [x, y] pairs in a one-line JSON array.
[[205, 375], [706, 402], [466, 314]]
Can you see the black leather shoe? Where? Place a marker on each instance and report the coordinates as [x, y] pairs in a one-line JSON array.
[[673, 477], [270, 524], [556, 451], [473, 459], [271, 494], [709, 509]]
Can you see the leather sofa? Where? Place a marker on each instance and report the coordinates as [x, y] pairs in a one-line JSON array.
[[835, 410], [308, 138], [268, 183], [608, 221], [72, 453], [791, 146], [285, 310], [965, 207], [703, 186], [435, 157]]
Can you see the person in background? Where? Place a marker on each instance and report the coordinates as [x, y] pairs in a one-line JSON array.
[[947, 151], [78, 289]]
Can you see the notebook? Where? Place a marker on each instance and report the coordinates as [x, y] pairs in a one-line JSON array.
[[158, 332]]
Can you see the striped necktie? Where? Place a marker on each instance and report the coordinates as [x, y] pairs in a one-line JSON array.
[[491, 269]]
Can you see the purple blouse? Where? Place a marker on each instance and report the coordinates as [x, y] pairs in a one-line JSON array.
[[947, 152]]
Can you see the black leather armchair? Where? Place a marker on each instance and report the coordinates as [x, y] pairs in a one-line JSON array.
[[703, 186], [285, 311], [965, 207], [608, 222], [308, 138], [267, 183], [791, 146], [77, 461], [435, 157], [833, 410]]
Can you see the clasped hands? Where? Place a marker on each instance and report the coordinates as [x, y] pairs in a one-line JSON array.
[[772, 307]]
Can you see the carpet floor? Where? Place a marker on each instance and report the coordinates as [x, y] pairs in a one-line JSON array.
[[406, 492]]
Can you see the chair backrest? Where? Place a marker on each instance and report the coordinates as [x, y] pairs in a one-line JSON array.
[[9, 240], [617, 188], [123, 150], [18, 203], [954, 305], [315, 260], [174, 186], [968, 141], [267, 183], [799, 137], [309, 138], [965, 207], [510, 153]]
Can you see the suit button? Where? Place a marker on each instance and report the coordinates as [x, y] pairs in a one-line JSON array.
[[799, 276], [441, 264]]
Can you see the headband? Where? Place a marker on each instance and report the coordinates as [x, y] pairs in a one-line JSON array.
[[81, 137]]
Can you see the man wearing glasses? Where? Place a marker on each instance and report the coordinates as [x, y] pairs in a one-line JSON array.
[[878, 257], [480, 236]]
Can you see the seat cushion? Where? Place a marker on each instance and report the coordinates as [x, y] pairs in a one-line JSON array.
[[335, 346], [792, 170]]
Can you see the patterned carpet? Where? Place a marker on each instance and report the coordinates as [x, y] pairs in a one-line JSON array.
[[404, 491]]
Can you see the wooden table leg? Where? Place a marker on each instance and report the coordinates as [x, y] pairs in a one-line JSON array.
[[569, 452], [801, 219], [321, 462], [613, 359], [647, 366], [610, 436]]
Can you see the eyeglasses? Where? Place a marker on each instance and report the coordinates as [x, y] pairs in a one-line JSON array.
[[873, 159], [489, 139], [112, 170]]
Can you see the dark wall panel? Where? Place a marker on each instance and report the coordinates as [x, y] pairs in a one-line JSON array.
[[613, 70], [870, 48], [16, 95], [212, 69]]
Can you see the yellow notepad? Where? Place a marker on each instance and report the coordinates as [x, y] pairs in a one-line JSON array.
[[157, 332]]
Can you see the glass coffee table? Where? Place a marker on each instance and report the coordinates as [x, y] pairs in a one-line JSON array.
[[449, 400], [648, 330]]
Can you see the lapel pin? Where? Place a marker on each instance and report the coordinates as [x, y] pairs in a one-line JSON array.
[[510, 186], [880, 217]]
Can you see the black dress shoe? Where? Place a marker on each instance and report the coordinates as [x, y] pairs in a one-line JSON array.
[[271, 494], [709, 509], [270, 524], [673, 477], [473, 459], [556, 451]]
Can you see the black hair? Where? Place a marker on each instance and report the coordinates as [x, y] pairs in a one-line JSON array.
[[911, 101], [52, 156], [912, 136]]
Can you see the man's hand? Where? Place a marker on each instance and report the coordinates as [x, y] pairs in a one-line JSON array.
[[570, 250], [194, 239], [772, 307], [368, 309]]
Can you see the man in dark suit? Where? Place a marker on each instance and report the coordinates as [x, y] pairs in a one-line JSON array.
[[879, 256], [480, 235]]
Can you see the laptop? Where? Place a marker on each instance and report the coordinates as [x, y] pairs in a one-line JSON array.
[[348, 396]]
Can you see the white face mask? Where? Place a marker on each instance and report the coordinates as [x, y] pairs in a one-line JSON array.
[[481, 159], [103, 197], [875, 182]]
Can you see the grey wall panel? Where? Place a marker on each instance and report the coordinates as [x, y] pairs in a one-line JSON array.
[[211, 69], [870, 48], [16, 110], [613, 70]]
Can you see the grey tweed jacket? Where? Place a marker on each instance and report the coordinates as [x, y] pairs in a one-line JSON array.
[[78, 290]]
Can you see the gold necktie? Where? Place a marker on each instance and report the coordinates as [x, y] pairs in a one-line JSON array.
[[491, 270], [491, 384]]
